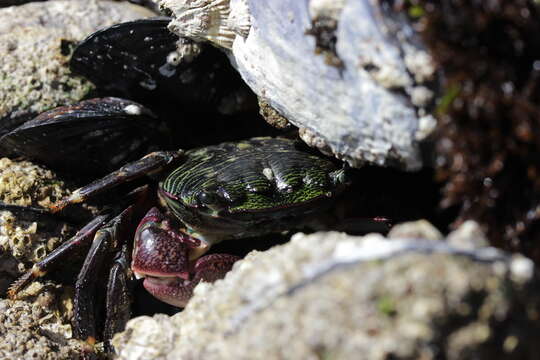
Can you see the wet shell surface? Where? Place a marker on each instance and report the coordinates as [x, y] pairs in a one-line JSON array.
[[352, 75], [36, 40]]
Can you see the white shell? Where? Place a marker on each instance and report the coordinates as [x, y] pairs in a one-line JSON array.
[[329, 8], [373, 109]]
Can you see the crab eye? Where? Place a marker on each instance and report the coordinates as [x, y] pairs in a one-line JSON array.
[[210, 199]]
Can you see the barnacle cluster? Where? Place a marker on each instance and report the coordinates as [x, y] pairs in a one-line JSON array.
[[23, 183], [31, 331]]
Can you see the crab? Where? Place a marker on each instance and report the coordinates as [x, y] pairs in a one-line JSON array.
[[228, 191], [233, 190]]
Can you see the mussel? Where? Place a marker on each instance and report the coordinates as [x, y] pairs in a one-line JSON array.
[[193, 91]]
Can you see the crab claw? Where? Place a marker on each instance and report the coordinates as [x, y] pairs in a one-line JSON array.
[[178, 291], [160, 250], [164, 257]]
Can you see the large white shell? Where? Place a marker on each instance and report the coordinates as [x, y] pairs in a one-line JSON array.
[[371, 109]]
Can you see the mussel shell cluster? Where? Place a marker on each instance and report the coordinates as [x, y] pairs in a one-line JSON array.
[[195, 94]]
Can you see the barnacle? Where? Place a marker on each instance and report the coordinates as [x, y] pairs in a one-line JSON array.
[[218, 21], [23, 183]]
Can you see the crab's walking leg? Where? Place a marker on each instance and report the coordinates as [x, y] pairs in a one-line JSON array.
[[29, 212], [78, 244], [107, 240], [118, 302], [151, 163], [113, 237]]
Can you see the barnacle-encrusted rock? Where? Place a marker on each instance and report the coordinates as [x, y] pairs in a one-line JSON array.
[[29, 331], [27, 237], [352, 75], [329, 295], [39, 328], [23, 183], [35, 43]]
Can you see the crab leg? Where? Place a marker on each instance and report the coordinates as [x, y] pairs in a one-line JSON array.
[[77, 244], [118, 301], [29, 212], [113, 237], [150, 164], [106, 241]]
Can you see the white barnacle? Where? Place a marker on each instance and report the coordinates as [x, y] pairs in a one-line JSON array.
[[168, 69], [239, 18], [207, 20], [187, 50], [419, 63], [268, 173], [133, 109], [174, 58]]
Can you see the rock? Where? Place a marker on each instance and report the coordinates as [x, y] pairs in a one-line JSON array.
[[351, 75], [420, 229], [330, 295], [468, 235], [27, 235], [32, 332], [25, 184], [36, 41], [39, 327]]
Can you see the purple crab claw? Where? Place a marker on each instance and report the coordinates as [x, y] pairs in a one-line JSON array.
[[177, 291], [167, 259]]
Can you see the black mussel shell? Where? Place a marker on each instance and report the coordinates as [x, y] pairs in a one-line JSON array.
[[9, 123], [6, 3], [92, 137], [139, 60]]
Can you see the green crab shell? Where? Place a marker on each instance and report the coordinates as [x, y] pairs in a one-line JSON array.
[[248, 188]]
